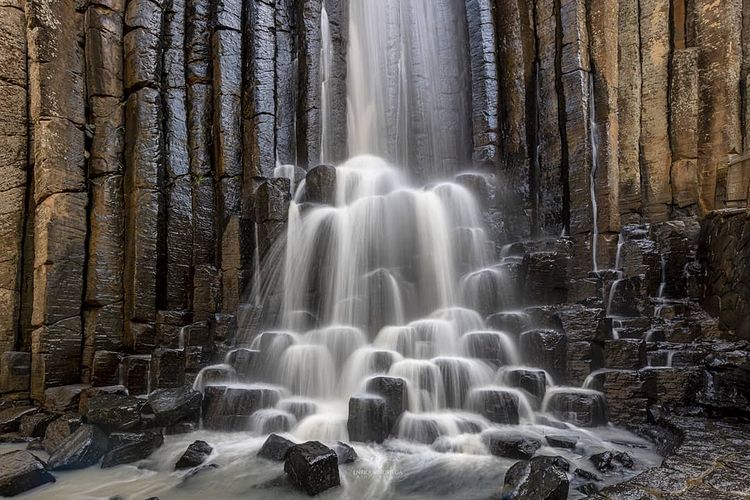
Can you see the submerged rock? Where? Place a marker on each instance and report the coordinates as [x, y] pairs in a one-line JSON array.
[[275, 448], [21, 471], [541, 478], [312, 467], [81, 449], [194, 455], [497, 405], [609, 460], [562, 442], [345, 453], [132, 447], [510, 445]]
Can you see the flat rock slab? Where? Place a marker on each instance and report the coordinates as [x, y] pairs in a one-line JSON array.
[[21, 471], [10, 418], [81, 449]]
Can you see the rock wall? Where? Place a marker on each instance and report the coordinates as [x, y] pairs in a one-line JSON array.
[[725, 251], [138, 141]]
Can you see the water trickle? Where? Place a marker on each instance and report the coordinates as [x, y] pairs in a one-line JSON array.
[[594, 141], [326, 65]]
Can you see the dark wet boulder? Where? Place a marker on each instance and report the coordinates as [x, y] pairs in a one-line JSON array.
[[312, 467], [345, 453], [93, 392], [320, 184], [81, 449], [532, 381], [21, 471], [10, 418], [175, 406], [368, 421], [580, 407], [394, 391], [590, 476], [548, 350], [502, 443], [59, 429], [35, 425], [64, 397], [497, 405], [541, 478], [129, 447], [609, 460], [275, 448], [194, 455], [116, 412], [588, 489], [566, 442]]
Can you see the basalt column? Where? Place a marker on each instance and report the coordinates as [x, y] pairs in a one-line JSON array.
[[144, 170], [13, 165], [103, 313], [58, 115]]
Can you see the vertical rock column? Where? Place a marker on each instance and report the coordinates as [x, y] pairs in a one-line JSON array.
[[504, 107], [227, 78], [655, 149], [179, 188], [103, 310], [602, 28], [629, 111], [550, 184], [683, 127], [144, 170], [13, 163], [206, 279], [57, 105], [308, 64], [285, 19], [338, 18]]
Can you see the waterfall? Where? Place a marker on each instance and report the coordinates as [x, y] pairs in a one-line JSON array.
[[407, 98]]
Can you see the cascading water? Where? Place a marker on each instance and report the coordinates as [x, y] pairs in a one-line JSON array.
[[594, 142], [326, 65]]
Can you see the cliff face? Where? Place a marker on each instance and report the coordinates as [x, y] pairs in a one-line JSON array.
[[138, 139]]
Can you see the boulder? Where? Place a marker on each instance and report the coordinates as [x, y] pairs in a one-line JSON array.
[[506, 444], [275, 448], [63, 398], [21, 471], [548, 350], [93, 392], [59, 430], [115, 412], [566, 442], [80, 450], [609, 460], [10, 418], [580, 407], [497, 405], [229, 408], [35, 425], [394, 391], [345, 453], [194, 455], [177, 405], [312, 467], [538, 478], [131, 447], [368, 421]]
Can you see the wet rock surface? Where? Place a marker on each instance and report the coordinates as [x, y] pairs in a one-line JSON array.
[[194, 455], [81, 449], [21, 471], [275, 448], [130, 447], [511, 445], [312, 467], [540, 477]]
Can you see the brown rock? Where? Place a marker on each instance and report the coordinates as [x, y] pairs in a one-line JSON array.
[[15, 371], [106, 368], [135, 374], [63, 398], [167, 368]]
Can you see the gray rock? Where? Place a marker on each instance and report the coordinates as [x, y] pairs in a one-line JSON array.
[[21, 471], [194, 455]]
